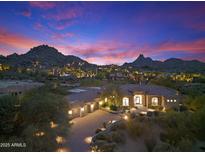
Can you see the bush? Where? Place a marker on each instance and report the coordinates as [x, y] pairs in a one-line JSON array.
[[8, 113], [113, 107], [38, 108], [150, 143], [118, 137], [135, 129]]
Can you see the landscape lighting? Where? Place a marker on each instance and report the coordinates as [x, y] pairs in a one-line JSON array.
[[60, 139], [70, 112], [88, 140], [82, 109], [53, 125], [125, 117], [101, 102]]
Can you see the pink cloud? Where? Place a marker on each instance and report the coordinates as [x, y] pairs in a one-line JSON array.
[[26, 13], [16, 40], [61, 25], [43, 5], [196, 46], [58, 36], [70, 13], [38, 26]]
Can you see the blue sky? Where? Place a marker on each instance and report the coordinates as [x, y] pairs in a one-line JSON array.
[[105, 32]]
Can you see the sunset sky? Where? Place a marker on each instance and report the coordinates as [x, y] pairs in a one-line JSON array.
[[105, 32]]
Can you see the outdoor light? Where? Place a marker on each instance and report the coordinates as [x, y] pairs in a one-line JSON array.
[[88, 140], [101, 102], [171, 100], [105, 99], [82, 109], [92, 106], [168, 100], [53, 125], [125, 117], [175, 100], [70, 112], [40, 134], [62, 150], [60, 139]]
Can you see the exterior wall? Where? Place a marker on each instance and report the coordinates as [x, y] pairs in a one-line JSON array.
[[173, 102], [147, 101], [75, 113], [84, 110]]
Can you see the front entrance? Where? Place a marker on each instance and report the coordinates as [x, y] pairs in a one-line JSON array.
[[137, 100]]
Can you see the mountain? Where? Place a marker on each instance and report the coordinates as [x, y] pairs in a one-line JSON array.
[[169, 65], [46, 57]]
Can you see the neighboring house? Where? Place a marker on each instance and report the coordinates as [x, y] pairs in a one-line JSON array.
[[149, 96], [16, 88], [117, 76], [83, 101]]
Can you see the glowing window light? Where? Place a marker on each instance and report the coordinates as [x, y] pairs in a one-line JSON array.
[[105, 99], [175, 100], [171, 100], [92, 106], [70, 112], [60, 139], [168, 100]]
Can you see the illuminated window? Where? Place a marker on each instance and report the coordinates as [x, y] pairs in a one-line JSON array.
[[168, 100], [125, 101], [171, 100], [175, 100], [137, 99], [105, 99], [155, 101]]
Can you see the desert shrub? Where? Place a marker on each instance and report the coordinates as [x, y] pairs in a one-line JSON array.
[[150, 142], [118, 137], [8, 113], [113, 107], [135, 129], [164, 147], [185, 145], [38, 107], [104, 104], [103, 136]]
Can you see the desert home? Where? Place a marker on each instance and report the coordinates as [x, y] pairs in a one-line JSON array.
[[149, 96], [86, 100]]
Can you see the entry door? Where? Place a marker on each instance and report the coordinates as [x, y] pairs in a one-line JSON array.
[[137, 100]]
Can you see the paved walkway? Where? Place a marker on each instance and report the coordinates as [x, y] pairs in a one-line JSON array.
[[85, 127]]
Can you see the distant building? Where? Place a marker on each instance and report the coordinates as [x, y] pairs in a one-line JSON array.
[[117, 76], [16, 88]]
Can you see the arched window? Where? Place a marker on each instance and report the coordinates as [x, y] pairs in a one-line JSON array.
[[155, 101], [137, 100], [125, 101]]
